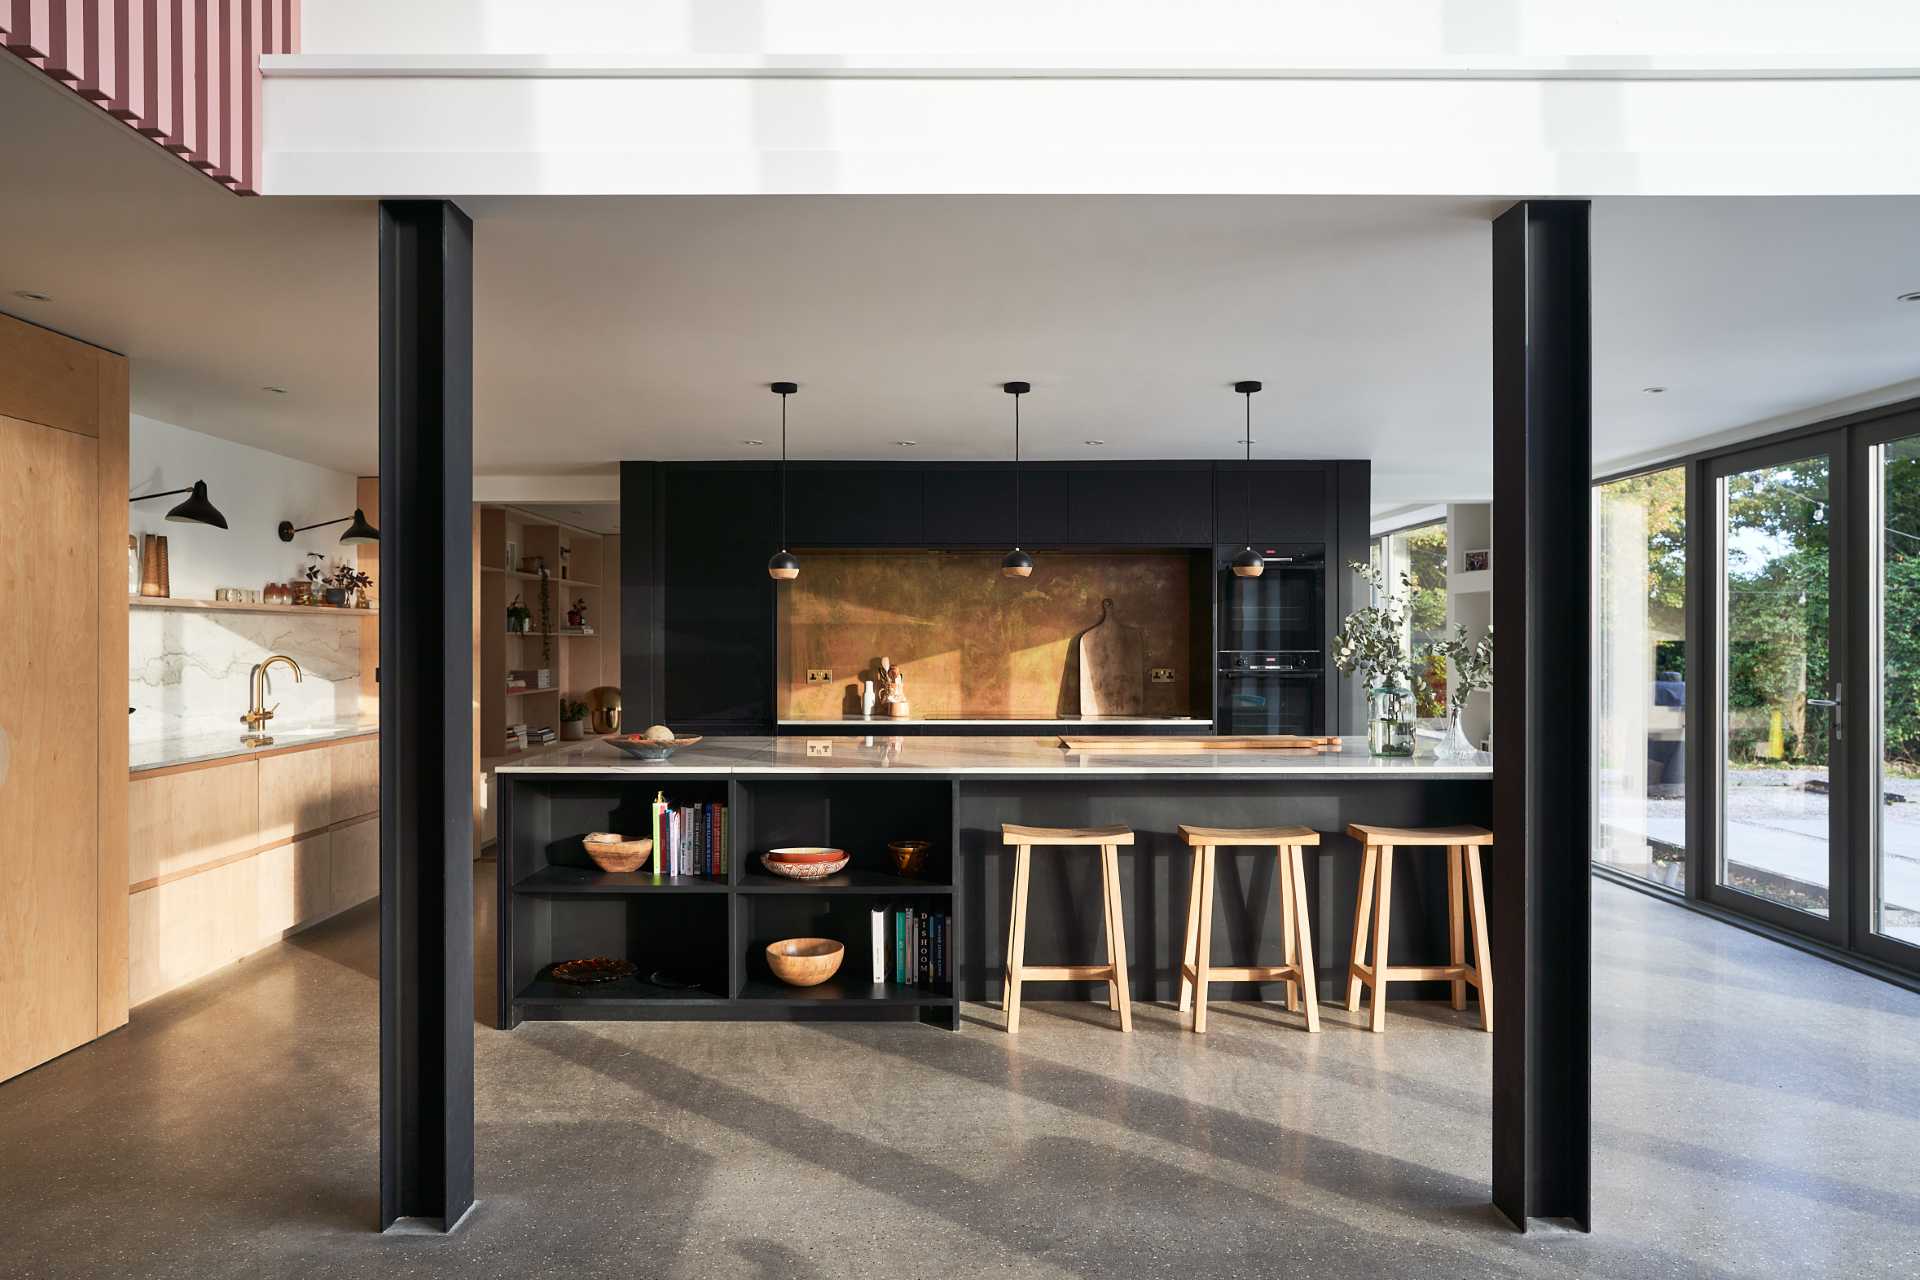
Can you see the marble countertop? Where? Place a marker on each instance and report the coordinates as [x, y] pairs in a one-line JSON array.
[[1172, 722], [1004, 756], [161, 753]]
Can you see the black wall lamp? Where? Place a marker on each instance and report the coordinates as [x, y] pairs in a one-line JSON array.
[[783, 565], [195, 510], [358, 530], [1016, 563]]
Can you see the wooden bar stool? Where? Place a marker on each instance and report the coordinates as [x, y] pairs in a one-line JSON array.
[[1198, 969], [1114, 971], [1463, 845]]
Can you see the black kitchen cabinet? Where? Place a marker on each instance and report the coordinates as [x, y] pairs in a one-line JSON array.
[[848, 505], [1167, 504], [1291, 502], [968, 507], [720, 526]]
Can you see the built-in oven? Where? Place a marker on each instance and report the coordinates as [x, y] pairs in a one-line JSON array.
[[1281, 611], [1272, 692]]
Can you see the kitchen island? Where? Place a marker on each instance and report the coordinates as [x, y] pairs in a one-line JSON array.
[[698, 941]]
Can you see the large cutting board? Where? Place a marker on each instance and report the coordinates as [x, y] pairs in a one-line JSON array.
[[1113, 667], [1174, 746]]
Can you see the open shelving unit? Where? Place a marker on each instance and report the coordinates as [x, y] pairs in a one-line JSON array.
[[699, 942]]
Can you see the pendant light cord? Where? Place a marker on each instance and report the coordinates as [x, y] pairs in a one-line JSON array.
[[1016, 471], [783, 471], [1248, 397]]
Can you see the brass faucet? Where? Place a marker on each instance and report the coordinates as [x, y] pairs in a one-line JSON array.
[[258, 713]]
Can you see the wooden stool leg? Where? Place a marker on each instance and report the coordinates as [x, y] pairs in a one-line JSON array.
[[1110, 855], [1202, 979], [1106, 913], [1016, 939], [1382, 920], [1303, 936], [1282, 872], [1482, 962], [1361, 914], [1189, 950], [1456, 926]]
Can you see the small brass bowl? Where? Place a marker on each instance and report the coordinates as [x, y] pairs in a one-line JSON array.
[[909, 856]]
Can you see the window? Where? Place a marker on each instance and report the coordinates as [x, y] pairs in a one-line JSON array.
[[1421, 554], [1640, 690]]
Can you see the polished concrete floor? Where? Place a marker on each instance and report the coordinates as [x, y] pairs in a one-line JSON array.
[[1758, 1114]]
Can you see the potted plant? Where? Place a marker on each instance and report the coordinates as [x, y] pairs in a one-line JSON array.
[[1371, 644], [314, 574], [573, 721], [344, 583], [1472, 671]]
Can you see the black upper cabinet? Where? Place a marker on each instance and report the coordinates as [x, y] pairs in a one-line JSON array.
[[854, 506], [721, 524], [1291, 502], [1167, 504], [969, 507]]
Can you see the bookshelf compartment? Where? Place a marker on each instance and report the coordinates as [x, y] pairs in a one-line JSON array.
[[683, 941], [859, 817], [847, 920]]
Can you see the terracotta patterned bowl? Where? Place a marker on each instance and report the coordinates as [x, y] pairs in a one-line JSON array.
[[640, 747], [807, 862], [805, 962]]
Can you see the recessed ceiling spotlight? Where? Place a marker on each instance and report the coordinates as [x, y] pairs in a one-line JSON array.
[[28, 295], [1654, 391], [753, 443], [1094, 442], [279, 391], [907, 444]]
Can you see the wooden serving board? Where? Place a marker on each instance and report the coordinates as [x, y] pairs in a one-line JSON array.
[[1170, 746]]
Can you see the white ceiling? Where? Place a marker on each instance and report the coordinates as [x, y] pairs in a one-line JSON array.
[[624, 328]]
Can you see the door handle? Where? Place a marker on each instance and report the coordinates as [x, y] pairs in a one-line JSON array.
[[1833, 703]]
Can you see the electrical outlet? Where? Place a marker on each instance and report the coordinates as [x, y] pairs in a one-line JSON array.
[[819, 746], [819, 675], [1163, 675]]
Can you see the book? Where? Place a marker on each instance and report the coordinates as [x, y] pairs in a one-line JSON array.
[[879, 922], [922, 952]]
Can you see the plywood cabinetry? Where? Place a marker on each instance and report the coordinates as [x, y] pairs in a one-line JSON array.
[[230, 857]]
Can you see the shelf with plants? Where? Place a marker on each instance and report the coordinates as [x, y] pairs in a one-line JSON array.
[[715, 930]]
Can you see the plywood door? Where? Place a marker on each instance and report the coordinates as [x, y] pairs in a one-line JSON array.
[[49, 744]]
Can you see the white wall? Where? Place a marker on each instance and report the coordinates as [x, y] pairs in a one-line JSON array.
[[1386, 28], [190, 670]]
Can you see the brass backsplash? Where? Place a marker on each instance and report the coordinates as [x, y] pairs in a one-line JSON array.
[[972, 642]]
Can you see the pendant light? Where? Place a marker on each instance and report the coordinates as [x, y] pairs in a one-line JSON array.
[[1248, 563], [784, 566], [1016, 563]]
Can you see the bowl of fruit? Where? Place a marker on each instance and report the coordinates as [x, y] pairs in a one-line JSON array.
[[656, 743]]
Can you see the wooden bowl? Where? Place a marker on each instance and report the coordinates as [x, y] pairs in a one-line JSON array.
[[620, 855], [805, 962], [909, 856], [806, 862]]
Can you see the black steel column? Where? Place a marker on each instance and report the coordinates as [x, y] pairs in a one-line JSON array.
[[1542, 713], [426, 729]]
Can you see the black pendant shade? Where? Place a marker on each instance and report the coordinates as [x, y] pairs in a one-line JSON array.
[[783, 565], [357, 532], [1248, 563], [196, 509], [1016, 563]]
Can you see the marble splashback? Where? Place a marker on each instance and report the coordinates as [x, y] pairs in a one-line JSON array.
[[191, 670], [970, 641]]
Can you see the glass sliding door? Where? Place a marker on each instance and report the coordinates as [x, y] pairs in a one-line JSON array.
[[1777, 675], [1640, 683], [1891, 741]]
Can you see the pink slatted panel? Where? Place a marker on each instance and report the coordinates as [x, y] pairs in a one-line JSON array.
[[32, 20], [186, 73]]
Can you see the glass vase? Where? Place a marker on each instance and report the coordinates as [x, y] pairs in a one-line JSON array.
[[1390, 726], [1455, 746]]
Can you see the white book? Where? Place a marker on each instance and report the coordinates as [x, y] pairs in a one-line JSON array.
[[879, 917]]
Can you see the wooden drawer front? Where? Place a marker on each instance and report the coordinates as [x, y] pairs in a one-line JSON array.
[[356, 779], [179, 821], [191, 926], [296, 794], [295, 883], [356, 864]]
